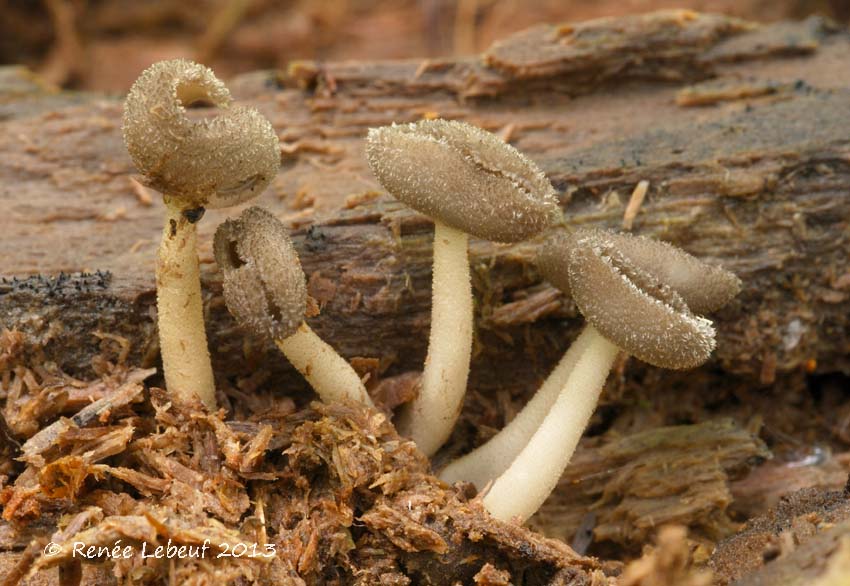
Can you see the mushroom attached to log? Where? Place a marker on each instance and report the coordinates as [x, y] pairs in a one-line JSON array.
[[469, 182], [636, 295], [196, 164], [265, 290]]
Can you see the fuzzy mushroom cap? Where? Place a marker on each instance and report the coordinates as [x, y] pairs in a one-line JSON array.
[[211, 162], [703, 287], [465, 177], [264, 284], [628, 304]]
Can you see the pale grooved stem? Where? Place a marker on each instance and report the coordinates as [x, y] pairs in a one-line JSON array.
[[491, 459], [180, 313], [535, 472], [330, 375], [429, 419]]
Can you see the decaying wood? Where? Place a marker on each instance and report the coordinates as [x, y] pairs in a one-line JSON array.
[[669, 563], [789, 545], [759, 186], [740, 132], [342, 497], [763, 488], [624, 489], [820, 560]]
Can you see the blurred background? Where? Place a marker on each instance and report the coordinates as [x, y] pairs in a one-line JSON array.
[[103, 44]]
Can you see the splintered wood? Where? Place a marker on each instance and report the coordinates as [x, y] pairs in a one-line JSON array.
[[329, 494], [333, 490], [633, 207]]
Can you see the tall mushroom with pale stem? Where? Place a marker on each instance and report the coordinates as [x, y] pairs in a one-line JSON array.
[[469, 182], [196, 164], [266, 291], [635, 294]]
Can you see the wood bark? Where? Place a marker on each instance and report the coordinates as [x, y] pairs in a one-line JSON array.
[[757, 180]]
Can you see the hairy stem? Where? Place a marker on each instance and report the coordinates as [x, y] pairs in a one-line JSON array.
[[182, 337], [491, 459], [330, 375], [429, 419], [532, 476]]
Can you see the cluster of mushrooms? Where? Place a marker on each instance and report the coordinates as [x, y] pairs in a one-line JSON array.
[[638, 296]]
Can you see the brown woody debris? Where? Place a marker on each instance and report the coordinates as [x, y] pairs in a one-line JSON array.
[[668, 564], [780, 547], [342, 498], [631, 487], [396, 390], [751, 193], [490, 576], [711, 92], [601, 46], [333, 492]]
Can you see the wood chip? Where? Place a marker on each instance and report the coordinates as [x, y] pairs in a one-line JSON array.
[[635, 201]]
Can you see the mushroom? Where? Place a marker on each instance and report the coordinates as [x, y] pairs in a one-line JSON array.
[[635, 294], [266, 291], [195, 164], [468, 181]]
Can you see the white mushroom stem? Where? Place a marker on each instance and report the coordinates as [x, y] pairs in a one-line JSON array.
[[525, 485], [180, 312], [491, 459], [330, 375], [429, 419]]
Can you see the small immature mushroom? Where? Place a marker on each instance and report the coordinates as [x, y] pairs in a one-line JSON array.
[[196, 164], [265, 290], [616, 281], [468, 181]]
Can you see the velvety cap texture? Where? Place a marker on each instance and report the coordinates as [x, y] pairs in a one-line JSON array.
[[703, 287], [628, 304], [210, 162], [264, 284], [465, 177], [553, 259]]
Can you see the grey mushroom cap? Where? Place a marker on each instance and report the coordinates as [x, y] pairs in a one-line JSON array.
[[465, 177], [211, 162], [629, 305], [264, 285], [702, 286]]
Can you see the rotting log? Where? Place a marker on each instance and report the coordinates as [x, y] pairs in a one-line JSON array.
[[758, 184], [624, 489]]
